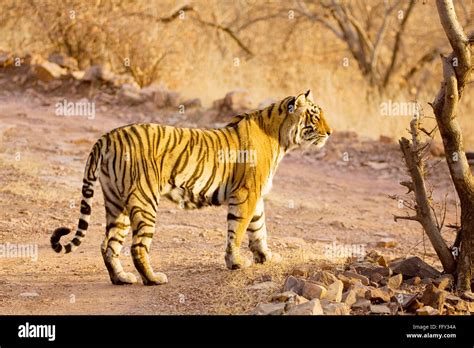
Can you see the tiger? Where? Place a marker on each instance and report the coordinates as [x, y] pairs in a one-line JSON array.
[[138, 164]]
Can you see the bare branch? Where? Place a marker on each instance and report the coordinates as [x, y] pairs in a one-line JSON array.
[[396, 45], [407, 217], [424, 213], [303, 9], [408, 185]]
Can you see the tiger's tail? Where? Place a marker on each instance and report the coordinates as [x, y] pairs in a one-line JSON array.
[[91, 173]]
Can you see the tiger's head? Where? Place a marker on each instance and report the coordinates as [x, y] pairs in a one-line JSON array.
[[304, 123]]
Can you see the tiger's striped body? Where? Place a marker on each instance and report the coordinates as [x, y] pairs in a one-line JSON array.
[[138, 164]]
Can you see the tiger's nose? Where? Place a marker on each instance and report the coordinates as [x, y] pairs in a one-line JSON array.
[[329, 131]]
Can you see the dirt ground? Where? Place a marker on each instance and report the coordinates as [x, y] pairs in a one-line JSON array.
[[339, 195]]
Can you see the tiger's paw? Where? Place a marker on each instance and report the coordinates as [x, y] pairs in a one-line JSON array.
[[267, 256], [124, 278], [234, 263], [157, 279]]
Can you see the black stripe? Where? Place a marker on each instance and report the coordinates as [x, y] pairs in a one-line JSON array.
[[87, 192], [83, 224], [76, 242], [146, 235], [215, 198], [231, 216], [256, 218], [85, 208], [270, 110], [252, 230]]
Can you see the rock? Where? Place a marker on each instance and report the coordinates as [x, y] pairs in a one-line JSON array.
[[387, 243], [192, 103], [360, 290], [361, 304], [335, 291], [173, 99], [376, 278], [414, 266], [452, 299], [462, 306], [324, 277], [395, 281], [382, 261], [47, 71], [335, 308], [415, 305], [69, 63], [98, 72], [380, 309], [78, 75], [372, 256], [6, 59], [427, 281], [294, 284], [32, 59], [378, 294], [301, 271], [312, 291], [263, 286], [443, 282], [449, 310], [312, 307], [468, 295], [363, 279], [348, 282], [117, 80], [218, 104], [283, 296], [427, 310], [269, 309], [405, 300], [130, 98], [414, 281], [369, 270], [237, 100], [434, 297], [156, 94], [385, 139], [349, 297], [298, 300]]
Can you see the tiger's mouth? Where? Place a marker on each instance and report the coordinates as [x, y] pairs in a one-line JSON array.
[[319, 140]]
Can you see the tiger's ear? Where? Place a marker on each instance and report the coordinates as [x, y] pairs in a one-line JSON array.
[[301, 99], [309, 95]]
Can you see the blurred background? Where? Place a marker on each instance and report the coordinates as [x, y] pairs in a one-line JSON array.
[[354, 55]]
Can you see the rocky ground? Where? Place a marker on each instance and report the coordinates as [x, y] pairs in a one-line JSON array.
[[329, 215]]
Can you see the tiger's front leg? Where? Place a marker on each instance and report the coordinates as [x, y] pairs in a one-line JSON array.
[[257, 233], [242, 204]]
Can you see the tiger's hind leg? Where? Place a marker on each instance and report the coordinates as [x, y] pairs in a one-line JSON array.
[[118, 226], [143, 226]]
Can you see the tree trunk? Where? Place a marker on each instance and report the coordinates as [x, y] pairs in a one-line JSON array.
[[456, 71]]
